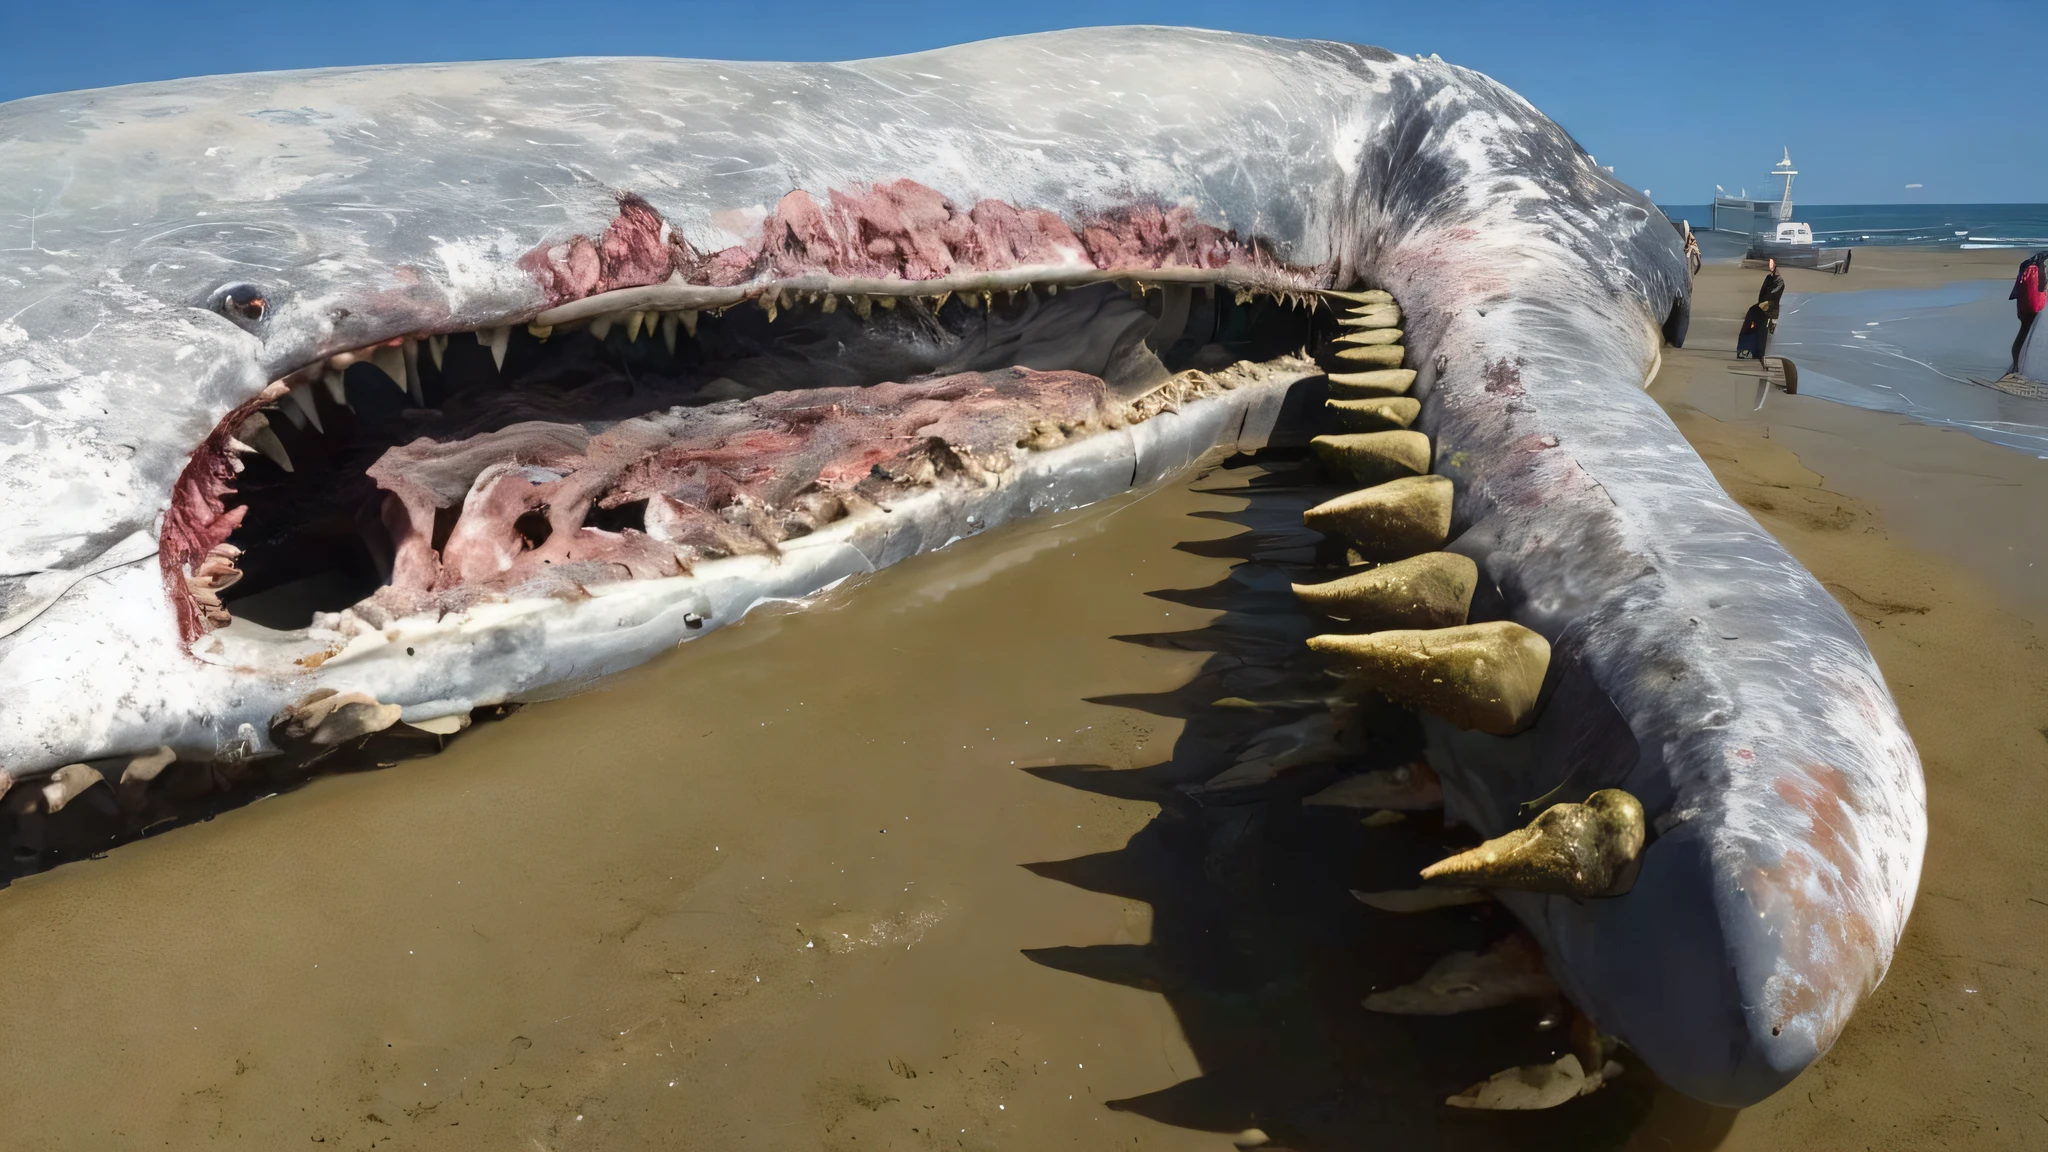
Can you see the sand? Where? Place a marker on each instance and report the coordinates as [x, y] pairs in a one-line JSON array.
[[855, 876]]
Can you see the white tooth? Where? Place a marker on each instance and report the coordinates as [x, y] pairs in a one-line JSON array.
[[497, 340], [601, 326], [302, 397], [413, 387], [391, 361], [690, 324], [236, 446], [266, 442], [438, 346], [633, 322], [292, 415], [337, 389], [668, 331]]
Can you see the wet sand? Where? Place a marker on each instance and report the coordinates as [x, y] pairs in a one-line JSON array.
[[910, 867]]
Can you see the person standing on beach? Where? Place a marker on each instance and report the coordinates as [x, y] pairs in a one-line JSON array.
[[2031, 295], [1771, 293]]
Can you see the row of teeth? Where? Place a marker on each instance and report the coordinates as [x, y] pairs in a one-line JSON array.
[[398, 359]]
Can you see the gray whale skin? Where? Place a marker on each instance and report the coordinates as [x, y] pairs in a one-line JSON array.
[[1696, 663]]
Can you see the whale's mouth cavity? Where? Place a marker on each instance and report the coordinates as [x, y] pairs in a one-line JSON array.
[[433, 472]]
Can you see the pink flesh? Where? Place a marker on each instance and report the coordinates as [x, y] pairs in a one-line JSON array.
[[899, 230], [718, 479]]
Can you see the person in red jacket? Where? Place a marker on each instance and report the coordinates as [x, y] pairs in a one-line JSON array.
[[2031, 295]]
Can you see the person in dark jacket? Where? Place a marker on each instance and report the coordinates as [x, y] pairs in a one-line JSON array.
[[1771, 293], [2030, 294]]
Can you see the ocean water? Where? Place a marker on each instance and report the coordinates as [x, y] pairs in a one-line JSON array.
[[1916, 352], [1922, 225]]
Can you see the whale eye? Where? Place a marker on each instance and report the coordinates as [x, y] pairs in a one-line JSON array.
[[242, 303]]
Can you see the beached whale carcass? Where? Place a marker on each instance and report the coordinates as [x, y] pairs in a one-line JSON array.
[[477, 380]]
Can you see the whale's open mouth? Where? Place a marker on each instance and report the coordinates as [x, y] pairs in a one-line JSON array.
[[627, 437]]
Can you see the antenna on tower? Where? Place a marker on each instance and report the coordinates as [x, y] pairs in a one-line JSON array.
[[1785, 170]]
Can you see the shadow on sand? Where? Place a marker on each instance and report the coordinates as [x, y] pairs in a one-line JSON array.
[[1258, 944]]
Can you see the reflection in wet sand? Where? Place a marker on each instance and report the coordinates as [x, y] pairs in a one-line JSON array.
[[766, 893]]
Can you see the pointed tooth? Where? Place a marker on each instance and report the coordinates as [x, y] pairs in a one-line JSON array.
[[336, 385], [291, 414], [1586, 851], [240, 447], [601, 326], [413, 387], [255, 432], [633, 322], [302, 398], [390, 360], [1369, 296], [829, 304], [497, 340], [1474, 676], [669, 322], [438, 347], [690, 324], [863, 307], [939, 301]]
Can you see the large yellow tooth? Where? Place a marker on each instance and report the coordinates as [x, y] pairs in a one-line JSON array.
[[1390, 521], [601, 326], [1374, 457], [633, 322], [437, 346], [1371, 318], [1433, 590], [1484, 677], [1584, 850], [1365, 385], [1369, 336], [668, 331], [1368, 296], [690, 324], [1383, 355], [1375, 415]]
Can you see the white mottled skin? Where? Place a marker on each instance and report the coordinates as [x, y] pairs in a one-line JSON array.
[[1697, 663]]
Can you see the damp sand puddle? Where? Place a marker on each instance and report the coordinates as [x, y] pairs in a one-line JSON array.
[[869, 873]]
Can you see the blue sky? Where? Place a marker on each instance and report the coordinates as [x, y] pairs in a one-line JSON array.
[[1870, 96]]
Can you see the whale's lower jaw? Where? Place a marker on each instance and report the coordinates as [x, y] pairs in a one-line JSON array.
[[221, 702], [523, 647]]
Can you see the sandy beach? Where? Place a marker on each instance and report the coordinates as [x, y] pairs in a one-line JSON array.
[[911, 868]]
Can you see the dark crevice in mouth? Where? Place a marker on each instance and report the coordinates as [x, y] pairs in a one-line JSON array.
[[429, 472]]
